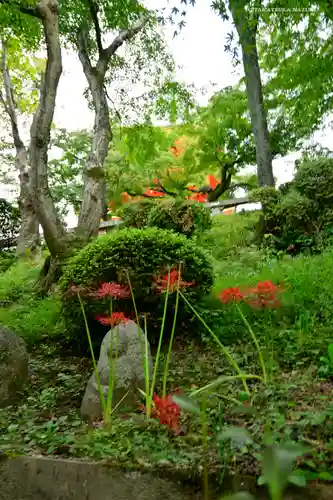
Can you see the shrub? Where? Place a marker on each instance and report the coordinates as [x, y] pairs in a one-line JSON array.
[[314, 179], [136, 214], [9, 224], [181, 216], [143, 253], [6, 260]]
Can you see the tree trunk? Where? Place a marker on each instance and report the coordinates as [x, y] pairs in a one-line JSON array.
[[247, 30], [54, 231], [28, 240]]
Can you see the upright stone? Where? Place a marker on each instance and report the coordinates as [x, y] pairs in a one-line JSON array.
[[13, 366], [128, 362]]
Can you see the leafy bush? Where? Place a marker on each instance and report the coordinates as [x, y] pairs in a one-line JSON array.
[[314, 179], [143, 254], [299, 216], [136, 214], [6, 260], [181, 216], [9, 224], [22, 310]]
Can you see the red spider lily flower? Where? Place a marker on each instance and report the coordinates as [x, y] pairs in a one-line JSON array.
[[167, 412], [162, 282], [115, 319], [233, 294], [199, 197], [264, 295], [113, 290]]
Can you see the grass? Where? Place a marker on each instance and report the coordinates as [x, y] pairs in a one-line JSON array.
[[295, 407]]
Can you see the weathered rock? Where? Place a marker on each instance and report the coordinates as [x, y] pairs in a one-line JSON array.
[[13, 366], [128, 367]]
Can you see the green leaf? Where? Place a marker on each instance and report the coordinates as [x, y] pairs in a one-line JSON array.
[[186, 404], [298, 479], [238, 435], [330, 353], [242, 495]]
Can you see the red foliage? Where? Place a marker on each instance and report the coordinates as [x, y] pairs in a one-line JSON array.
[[153, 193], [113, 290], [167, 412], [115, 319], [162, 282]]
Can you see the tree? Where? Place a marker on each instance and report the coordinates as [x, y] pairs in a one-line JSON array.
[[83, 25], [245, 15], [19, 99], [297, 56]]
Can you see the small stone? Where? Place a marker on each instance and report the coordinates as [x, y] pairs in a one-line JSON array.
[[129, 371], [13, 366]]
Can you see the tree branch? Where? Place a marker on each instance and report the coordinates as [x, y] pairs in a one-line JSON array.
[[8, 101], [126, 35], [94, 14]]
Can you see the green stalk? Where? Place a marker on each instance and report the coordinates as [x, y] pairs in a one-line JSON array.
[[219, 343], [205, 445], [98, 380], [159, 343], [145, 359], [107, 416], [146, 368], [255, 341], [166, 368], [224, 378]]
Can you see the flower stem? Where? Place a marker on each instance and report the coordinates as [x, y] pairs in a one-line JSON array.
[[219, 343], [255, 341], [205, 445], [166, 368], [159, 343], [98, 380], [143, 347]]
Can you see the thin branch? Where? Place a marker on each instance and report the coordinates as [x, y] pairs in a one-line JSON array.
[[94, 14], [8, 101]]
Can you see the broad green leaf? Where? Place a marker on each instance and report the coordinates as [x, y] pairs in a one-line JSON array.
[[186, 404]]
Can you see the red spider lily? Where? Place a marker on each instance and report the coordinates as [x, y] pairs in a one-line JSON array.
[[162, 282], [115, 319], [167, 412], [233, 294], [113, 290], [264, 295]]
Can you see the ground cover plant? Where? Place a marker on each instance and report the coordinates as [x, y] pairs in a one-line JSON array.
[[273, 318]]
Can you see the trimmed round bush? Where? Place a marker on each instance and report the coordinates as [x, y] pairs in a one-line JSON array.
[[183, 217], [314, 179], [143, 254], [136, 214]]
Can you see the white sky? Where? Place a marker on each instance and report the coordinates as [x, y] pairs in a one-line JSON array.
[[199, 50]]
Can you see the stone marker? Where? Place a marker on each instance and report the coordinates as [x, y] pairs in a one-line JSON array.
[[13, 366], [129, 371]]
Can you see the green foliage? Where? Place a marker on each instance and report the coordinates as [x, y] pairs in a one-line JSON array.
[[314, 179], [184, 217], [6, 260], [180, 216], [9, 224], [136, 214], [143, 254], [299, 216], [22, 310]]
